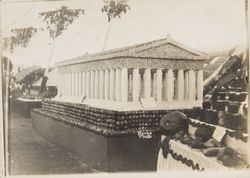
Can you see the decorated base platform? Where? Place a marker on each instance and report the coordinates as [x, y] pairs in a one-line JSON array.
[[123, 153], [106, 140]]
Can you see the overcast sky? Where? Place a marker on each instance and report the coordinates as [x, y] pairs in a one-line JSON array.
[[202, 24]]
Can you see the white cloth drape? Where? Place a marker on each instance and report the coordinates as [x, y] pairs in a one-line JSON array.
[[208, 163], [170, 164]]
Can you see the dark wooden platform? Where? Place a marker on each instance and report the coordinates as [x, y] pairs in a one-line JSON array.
[[25, 106], [105, 153]]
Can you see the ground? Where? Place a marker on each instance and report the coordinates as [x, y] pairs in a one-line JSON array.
[[32, 154]]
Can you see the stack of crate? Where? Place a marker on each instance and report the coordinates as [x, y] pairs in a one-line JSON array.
[[229, 110]]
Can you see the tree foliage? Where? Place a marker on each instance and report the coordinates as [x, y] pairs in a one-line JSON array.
[[21, 37], [59, 20], [114, 8]]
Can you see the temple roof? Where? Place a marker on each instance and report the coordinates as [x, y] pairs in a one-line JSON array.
[[165, 48]]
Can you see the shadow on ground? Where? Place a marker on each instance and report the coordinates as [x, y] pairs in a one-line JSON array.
[[29, 153]]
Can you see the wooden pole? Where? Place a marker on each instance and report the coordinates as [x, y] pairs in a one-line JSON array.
[[247, 18], [106, 36], [2, 133]]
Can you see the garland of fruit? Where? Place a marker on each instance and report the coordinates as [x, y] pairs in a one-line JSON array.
[[236, 134], [164, 145], [101, 121], [185, 161]]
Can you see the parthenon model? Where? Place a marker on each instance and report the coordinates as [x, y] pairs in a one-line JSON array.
[[164, 70], [107, 101]]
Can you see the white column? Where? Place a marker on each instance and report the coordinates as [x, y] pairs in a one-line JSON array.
[[180, 85], [147, 83], [153, 85], [71, 83], [118, 84], [124, 85], [136, 87], [77, 84], [96, 84], [88, 84], [83, 86], [101, 84], [92, 81], [80, 83], [59, 83], [74, 83], [170, 84], [112, 85], [159, 85], [191, 81], [186, 86], [66, 84], [200, 85], [62, 83], [106, 84]]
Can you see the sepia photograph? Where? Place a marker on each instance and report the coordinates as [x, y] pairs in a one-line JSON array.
[[92, 87]]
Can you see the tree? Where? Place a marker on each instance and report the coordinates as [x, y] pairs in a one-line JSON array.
[[57, 21], [113, 9], [21, 38]]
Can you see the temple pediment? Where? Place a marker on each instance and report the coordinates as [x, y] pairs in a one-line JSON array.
[[167, 51], [166, 48]]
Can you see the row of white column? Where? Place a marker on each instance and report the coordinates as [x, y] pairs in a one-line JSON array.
[[112, 84], [189, 85]]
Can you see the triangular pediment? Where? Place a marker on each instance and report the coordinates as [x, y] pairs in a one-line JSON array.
[[165, 48], [169, 51]]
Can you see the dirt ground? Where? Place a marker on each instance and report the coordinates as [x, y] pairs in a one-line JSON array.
[[29, 153]]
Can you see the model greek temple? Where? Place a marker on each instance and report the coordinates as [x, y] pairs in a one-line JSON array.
[[109, 104], [164, 70]]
